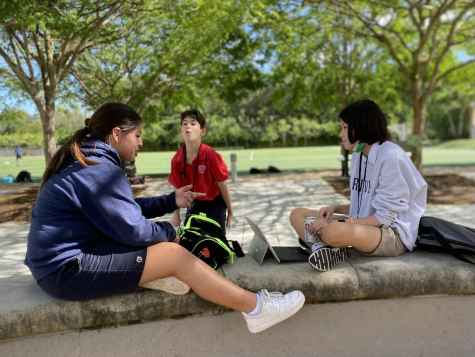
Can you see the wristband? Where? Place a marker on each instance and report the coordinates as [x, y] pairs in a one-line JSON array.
[[351, 220]]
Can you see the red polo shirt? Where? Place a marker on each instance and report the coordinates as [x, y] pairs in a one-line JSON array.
[[211, 170]]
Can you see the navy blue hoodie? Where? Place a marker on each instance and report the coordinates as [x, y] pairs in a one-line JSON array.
[[79, 205]]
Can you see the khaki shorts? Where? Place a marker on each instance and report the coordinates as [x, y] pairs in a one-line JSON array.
[[391, 244]]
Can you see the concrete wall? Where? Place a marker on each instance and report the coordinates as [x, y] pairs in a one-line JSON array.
[[429, 326]]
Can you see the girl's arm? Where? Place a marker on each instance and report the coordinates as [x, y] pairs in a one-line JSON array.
[[326, 212], [342, 209], [366, 221], [321, 223], [109, 204], [227, 199]]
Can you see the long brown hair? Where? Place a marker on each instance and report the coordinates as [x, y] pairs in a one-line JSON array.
[[98, 127]]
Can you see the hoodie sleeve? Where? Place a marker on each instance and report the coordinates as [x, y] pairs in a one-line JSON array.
[[109, 204], [157, 206], [392, 194]]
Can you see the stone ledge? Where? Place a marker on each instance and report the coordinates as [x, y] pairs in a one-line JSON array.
[[26, 310]]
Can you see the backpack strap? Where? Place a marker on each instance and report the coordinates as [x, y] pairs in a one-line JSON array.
[[446, 245], [237, 248]]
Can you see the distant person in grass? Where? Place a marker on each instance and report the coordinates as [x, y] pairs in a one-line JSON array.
[[18, 152], [388, 195], [199, 165]]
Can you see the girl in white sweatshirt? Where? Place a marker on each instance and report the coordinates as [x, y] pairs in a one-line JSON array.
[[388, 195]]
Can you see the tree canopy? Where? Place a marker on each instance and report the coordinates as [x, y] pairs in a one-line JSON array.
[[263, 72]]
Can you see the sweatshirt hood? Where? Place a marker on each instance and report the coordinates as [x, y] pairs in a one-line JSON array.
[[101, 150]]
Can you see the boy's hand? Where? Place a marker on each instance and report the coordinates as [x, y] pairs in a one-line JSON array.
[[229, 219], [184, 197], [175, 222]]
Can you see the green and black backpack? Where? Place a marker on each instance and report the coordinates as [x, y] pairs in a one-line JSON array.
[[204, 238]]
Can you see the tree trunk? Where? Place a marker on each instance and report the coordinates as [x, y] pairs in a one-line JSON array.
[[48, 121], [461, 117], [452, 125], [420, 110]]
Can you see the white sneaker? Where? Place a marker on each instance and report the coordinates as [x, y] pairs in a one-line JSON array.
[[169, 284], [275, 307]]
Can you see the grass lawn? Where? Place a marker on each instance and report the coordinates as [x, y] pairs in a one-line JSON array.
[[285, 159]]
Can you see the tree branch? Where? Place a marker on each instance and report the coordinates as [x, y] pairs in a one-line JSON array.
[[449, 43], [453, 69]]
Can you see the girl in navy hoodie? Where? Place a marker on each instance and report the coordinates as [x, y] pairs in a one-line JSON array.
[[90, 238]]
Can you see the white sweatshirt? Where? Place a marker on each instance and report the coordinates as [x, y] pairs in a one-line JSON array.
[[393, 190]]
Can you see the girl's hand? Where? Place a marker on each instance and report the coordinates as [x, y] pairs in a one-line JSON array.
[[184, 197], [229, 219], [326, 212], [318, 225]]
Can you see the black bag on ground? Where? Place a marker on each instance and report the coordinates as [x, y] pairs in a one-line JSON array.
[[23, 176], [253, 170], [204, 238], [438, 235]]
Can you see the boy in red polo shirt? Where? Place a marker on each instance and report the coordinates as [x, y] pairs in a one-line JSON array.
[[199, 165]]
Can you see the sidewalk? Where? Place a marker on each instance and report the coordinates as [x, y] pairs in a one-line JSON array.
[[266, 199], [363, 290]]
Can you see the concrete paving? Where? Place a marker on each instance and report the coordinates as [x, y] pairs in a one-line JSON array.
[[267, 201]]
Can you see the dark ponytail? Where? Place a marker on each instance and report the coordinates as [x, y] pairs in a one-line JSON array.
[[98, 127]]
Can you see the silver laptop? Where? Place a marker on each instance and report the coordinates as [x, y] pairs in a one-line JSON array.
[[260, 246]]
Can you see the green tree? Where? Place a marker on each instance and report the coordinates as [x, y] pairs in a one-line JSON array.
[[418, 37], [41, 41], [448, 106], [283, 127], [172, 55], [296, 131], [270, 133], [234, 130]]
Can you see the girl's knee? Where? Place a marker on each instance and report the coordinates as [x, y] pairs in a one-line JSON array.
[[332, 236], [298, 213], [169, 249]]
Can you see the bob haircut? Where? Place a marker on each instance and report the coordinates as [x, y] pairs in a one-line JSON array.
[[366, 122], [194, 114]]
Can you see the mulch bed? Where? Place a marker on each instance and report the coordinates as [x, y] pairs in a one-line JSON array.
[[17, 207], [442, 189]]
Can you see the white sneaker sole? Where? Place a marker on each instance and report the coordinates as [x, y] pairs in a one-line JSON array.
[[169, 285], [325, 259], [264, 326]]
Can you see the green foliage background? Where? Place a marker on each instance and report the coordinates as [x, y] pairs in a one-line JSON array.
[[265, 73]]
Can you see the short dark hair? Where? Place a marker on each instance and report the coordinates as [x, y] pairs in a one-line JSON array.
[[194, 114], [366, 122]]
